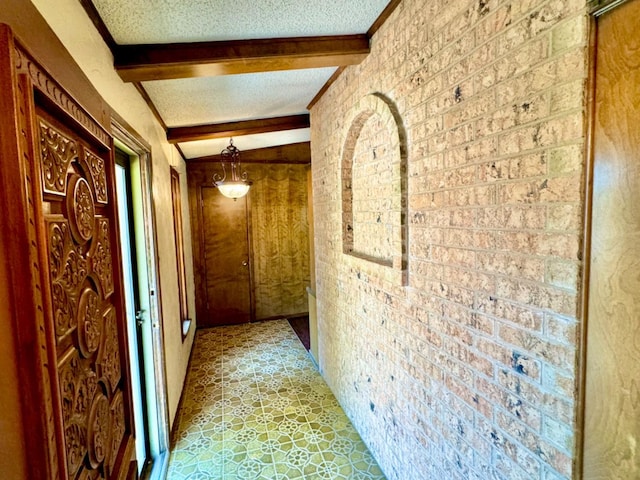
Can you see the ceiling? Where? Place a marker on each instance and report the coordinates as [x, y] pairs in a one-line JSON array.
[[212, 69]]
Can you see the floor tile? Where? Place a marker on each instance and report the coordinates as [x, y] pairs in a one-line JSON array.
[[255, 407]]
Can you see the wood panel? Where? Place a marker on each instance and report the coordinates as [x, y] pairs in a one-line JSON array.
[[280, 234], [72, 348], [279, 250], [612, 395], [225, 243]]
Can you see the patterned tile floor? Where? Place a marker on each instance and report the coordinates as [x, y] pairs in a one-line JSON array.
[[255, 407]]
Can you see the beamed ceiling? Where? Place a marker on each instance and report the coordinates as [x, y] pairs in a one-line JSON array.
[[248, 69]]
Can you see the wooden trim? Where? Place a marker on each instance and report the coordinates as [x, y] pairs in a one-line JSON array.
[[59, 97], [176, 423], [583, 304], [151, 105], [326, 86], [252, 286], [184, 157], [236, 129], [294, 153], [179, 149], [137, 63], [25, 309], [197, 220], [599, 7], [125, 133], [97, 21], [293, 316], [42, 45], [386, 13]]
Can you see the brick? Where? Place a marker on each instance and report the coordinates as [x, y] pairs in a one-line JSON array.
[[566, 160], [561, 356], [481, 343], [564, 218], [563, 274], [514, 265], [568, 34], [559, 434]]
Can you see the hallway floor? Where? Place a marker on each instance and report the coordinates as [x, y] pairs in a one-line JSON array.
[[255, 407]]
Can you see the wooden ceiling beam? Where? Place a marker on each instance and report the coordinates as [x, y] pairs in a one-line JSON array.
[[294, 153], [237, 129], [140, 63]]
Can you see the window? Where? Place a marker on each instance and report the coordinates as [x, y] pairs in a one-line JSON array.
[[185, 321]]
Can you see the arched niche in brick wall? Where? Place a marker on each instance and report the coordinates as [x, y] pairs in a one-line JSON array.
[[374, 185]]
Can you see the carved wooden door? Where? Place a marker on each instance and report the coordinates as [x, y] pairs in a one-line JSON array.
[[84, 392], [79, 228]]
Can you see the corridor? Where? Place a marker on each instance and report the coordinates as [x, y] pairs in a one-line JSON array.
[[254, 407]]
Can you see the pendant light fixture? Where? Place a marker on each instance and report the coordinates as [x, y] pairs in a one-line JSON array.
[[238, 185]]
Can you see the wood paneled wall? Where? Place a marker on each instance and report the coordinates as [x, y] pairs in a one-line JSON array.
[[280, 239], [279, 233]]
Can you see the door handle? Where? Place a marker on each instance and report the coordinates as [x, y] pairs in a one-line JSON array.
[[140, 317], [245, 263]]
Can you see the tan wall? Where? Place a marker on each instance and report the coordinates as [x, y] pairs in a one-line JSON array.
[[468, 371], [74, 29]]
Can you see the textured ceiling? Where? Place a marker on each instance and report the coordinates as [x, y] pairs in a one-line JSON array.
[[167, 21], [195, 101], [187, 102]]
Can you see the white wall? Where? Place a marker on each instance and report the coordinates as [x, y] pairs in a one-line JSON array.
[[75, 30]]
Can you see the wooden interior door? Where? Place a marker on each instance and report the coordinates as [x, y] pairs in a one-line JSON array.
[[612, 391], [225, 238]]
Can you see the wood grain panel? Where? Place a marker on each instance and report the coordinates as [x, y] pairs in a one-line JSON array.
[[226, 259], [612, 397], [279, 243], [280, 240]]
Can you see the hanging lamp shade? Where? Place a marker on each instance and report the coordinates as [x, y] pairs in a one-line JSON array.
[[238, 186]]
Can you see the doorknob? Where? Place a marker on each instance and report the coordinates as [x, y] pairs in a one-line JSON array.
[[245, 263], [140, 317]]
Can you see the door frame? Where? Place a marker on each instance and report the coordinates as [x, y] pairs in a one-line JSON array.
[[596, 8], [125, 135], [130, 261]]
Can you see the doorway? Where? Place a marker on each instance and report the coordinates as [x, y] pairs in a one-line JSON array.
[[611, 394], [133, 310], [144, 319], [226, 259]]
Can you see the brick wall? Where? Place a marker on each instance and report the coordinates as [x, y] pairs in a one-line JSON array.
[[467, 369]]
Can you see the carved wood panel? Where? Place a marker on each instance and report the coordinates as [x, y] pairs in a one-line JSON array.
[[78, 222], [67, 398]]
